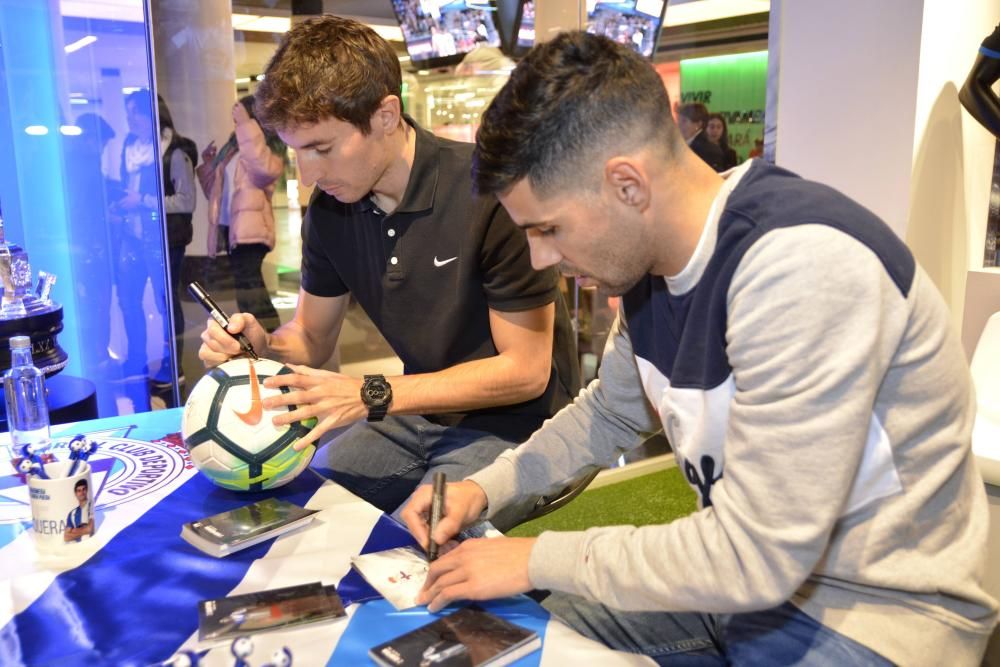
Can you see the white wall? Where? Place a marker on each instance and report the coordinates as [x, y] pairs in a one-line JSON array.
[[868, 103], [845, 112], [952, 153]]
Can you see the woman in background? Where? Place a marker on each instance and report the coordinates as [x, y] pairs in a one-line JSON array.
[[239, 181], [718, 134]]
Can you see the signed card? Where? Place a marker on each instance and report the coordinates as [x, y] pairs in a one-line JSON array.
[[398, 574]]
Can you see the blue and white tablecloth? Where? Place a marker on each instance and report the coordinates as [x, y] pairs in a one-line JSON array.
[[129, 595]]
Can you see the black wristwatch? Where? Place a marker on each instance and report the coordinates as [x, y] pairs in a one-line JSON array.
[[376, 393]]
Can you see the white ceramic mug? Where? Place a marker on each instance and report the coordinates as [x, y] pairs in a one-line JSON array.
[[62, 508]]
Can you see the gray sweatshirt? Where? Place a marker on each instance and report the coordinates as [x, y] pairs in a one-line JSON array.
[[804, 370]]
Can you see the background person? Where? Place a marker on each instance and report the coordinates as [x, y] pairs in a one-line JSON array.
[[691, 120], [137, 232], [239, 182], [179, 157], [801, 364], [485, 341], [718, 133]]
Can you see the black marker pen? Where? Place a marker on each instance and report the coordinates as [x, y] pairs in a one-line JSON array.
[[219, 315], [437, 509]]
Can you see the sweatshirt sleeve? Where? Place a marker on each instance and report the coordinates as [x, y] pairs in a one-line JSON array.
[[808, 347], [182, 174], [607, 418]]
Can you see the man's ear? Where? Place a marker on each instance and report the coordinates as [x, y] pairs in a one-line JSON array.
[[388, 115], [629, 181]]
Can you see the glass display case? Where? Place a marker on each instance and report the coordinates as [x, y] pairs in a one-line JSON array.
[[80, 189]]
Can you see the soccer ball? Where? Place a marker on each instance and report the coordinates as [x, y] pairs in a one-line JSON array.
[[230, 436]]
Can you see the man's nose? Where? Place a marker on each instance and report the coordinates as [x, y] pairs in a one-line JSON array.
[[543, 253], [309, 172]]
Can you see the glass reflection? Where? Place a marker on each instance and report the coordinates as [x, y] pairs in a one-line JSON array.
[[81, 191]]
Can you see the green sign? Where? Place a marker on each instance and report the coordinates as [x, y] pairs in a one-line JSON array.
[[734, 86]]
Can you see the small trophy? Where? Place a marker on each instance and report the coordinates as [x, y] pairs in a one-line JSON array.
[[28, 311]]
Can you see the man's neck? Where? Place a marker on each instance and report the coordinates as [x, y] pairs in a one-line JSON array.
[[390, 188], [686, 194]]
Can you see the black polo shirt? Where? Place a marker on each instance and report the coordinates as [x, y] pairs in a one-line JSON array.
[[428, 273]]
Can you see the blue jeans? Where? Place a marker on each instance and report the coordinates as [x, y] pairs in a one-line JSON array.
[[384, 462], [783, 635]]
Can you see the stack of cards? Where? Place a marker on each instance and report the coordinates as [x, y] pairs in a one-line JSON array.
[[229, 617], [228, 532]]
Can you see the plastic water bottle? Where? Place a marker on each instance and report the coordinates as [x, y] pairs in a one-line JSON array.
[[24, 392]]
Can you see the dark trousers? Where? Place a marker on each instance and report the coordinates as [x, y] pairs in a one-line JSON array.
[[176, 263], [251, 294]]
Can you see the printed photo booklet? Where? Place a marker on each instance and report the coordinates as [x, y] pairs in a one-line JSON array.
[[470, 637], [228, 532], [226, 618]]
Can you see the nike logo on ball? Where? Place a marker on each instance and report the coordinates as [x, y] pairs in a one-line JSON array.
[[441, 262], [252, 416]]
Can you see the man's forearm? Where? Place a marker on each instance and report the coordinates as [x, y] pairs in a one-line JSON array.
[[292, 344], [483, 383]]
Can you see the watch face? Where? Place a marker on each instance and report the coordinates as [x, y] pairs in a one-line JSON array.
[[375, 391]]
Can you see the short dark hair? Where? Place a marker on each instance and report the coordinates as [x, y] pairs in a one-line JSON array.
[[166, 120], [327, 67], [140, 99], [696, 112], [79, 483], [569, 102]]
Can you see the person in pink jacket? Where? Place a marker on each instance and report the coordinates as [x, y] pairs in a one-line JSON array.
[[239, 181]]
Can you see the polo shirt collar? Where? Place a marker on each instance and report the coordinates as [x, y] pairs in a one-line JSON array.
[[422, 184]]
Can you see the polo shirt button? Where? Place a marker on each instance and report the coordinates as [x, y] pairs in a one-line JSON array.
[[393, 261], [391, 232]]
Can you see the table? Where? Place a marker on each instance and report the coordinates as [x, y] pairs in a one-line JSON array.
[[129, 595]]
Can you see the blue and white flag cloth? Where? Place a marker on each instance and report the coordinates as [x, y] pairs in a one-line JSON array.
[[129, 595]]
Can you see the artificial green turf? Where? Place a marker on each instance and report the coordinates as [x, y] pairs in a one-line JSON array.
[[658, 497]]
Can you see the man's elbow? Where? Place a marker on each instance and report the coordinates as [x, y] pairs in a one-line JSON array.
[[535, 379]]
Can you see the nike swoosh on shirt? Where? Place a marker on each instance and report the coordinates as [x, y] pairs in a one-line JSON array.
[[441, 262], [252, 416]]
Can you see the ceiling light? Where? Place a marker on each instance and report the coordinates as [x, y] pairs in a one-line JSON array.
[[112, 10], [36, 130], [391, 33], [258, 23], [70, 130], [80, 43]]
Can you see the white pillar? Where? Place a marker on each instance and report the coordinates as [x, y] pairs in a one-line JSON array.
[[195, 74]]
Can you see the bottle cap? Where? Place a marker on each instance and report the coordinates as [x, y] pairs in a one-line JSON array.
[[19, 342]]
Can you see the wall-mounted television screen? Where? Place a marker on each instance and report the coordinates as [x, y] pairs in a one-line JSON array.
[[635, 23], [525, 37], [439, 32]]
